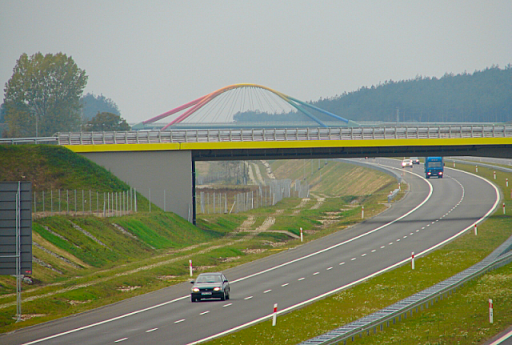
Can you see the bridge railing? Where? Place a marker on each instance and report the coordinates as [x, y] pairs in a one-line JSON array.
[[285, 134]]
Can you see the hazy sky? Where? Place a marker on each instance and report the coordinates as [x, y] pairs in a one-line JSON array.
[[152, 56]]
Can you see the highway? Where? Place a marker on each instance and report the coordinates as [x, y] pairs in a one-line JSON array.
[[432, 211]]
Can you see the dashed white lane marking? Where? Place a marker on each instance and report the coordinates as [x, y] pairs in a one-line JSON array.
[[227, 305], [405, 236], [428, 225], [418, 230], [151, 330], [398, 240], [120, 340], [342, 263], [352, 259], [301, 279], [329, 268], [390, 243], [316, 273], [363, 254], [381, 247], [178, 321], [374, 250], [267, 291], [247, 298], [412, 233], [204, 312], [285, 284], [423, 228]]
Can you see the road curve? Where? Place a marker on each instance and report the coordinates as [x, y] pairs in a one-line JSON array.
[[433, 211]]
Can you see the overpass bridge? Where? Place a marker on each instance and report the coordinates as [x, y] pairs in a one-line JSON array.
[[165, 160]]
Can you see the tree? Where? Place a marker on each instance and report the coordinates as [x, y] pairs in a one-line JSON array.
[[106, 122], [43, 95], [92, 105]]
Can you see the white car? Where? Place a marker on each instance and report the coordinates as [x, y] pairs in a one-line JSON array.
[[407, 163]]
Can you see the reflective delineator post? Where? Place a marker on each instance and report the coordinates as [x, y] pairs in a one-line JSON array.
[[476, 230], [495, 175], [503, 208], [190, 266], [506, 181], [362, 212], [412, 260], [491, 312], [476, 168], [301, 236], [274, 316]]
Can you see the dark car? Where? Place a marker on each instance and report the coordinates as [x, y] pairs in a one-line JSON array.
[[210, 285], [415, 160]]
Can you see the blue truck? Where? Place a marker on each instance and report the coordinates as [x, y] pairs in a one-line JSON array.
[[434, 166]]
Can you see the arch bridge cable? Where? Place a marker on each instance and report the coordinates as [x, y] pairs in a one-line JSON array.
[[243, 97]]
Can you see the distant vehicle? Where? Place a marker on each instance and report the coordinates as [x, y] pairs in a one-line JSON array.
[[415, 160], [434, 166], [210, 285], [407, 163]]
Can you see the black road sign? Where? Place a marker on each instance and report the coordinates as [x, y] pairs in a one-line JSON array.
[[15, 227]]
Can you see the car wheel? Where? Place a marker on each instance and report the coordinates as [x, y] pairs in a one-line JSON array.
[[192, 299], [227, 296], [223, 297]]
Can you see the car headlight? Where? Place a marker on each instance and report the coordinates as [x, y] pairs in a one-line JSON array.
[[195, 289], [216, 288]]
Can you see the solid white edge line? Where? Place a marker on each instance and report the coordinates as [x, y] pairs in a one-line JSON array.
[[500, 340], [407, 260], [249, 276]]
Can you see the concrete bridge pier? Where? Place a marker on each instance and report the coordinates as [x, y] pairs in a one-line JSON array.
[[152, 173]]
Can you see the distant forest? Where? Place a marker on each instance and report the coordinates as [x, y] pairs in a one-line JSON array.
[[484, 96]]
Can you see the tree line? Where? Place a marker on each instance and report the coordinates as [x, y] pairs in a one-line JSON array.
[[45, 95], [483, 96]]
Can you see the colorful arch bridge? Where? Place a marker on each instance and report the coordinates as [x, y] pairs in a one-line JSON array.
[[194, 106]]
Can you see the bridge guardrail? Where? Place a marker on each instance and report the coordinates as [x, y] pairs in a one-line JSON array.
[[286, 134]]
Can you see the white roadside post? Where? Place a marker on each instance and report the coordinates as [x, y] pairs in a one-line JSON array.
[[274, 316], [476, 230], [503, 208], [362, 212], [190, 266], [495, 175], [301, 236], [506, 181], [491, 312], [412, 260], [476, 168]]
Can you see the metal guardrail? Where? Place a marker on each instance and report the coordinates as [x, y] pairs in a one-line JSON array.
[[34, 140], [276, 134], [499, 257], [286, 134]]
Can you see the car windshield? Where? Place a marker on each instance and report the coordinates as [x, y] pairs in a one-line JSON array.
[[208, 279]]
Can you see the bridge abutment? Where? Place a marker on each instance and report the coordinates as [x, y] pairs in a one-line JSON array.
[[156, 175]]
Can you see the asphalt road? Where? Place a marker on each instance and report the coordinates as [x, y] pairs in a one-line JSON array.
[[433, 211]]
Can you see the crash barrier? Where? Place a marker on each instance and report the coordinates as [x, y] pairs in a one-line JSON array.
[[415, 303], [285, 134]]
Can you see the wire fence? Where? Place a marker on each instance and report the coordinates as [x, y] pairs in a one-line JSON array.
[[82, 202]]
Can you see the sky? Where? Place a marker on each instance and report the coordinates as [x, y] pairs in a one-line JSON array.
[[152, 56]]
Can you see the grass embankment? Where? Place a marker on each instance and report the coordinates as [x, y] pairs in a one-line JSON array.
[[460, 319], [84, 262]]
